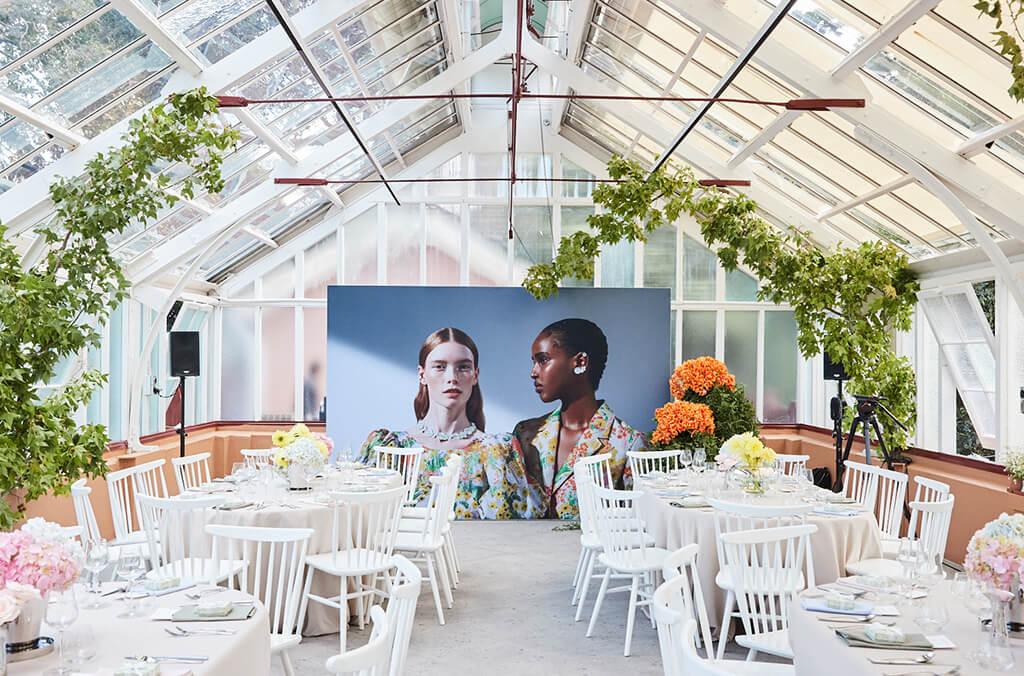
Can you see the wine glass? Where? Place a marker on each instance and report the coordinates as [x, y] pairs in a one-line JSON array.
[[97, 556], [909, 557], [237, 470], [685, 458], [700, 456], [932, 615], [130, 568], [61, 613], [929, 571], [807, 477]]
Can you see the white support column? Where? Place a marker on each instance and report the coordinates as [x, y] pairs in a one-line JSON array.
[[1010, 374], [154, 30], [64, 136], [881, 39], [579, 23], [776, 127], [900, 182], [452, 25]]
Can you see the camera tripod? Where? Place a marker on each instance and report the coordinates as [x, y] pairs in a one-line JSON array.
[[867, 419]]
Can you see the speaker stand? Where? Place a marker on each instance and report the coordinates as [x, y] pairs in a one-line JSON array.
[[181, 423]]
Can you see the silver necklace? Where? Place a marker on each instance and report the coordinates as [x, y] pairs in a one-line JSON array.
[[428, 431]]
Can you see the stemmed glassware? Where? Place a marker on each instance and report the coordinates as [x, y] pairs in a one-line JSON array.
[[807, 481], [61, 613], [685, 458], [700, 456], [130, 568], [97, 556]]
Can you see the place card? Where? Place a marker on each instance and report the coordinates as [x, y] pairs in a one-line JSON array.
[[940, 642]]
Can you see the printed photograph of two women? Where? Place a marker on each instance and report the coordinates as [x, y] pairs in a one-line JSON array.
[[519, 388]]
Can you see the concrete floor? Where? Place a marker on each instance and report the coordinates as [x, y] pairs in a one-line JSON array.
[[511, 615]]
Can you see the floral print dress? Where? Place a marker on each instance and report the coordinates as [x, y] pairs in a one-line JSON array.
[[493, 483], [536, 441]]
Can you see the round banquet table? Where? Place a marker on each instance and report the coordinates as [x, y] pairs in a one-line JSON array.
[[838, 541], [818, 650], [245, 652], [305, 509]]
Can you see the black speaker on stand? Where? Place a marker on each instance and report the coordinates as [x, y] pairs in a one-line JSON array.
[[184, 364], [834, 370]]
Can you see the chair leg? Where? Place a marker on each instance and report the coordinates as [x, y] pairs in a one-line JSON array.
[[723, 629], [577, 591], [586, 584], [433, 588], [305, 598], [650, 591], [449, 556], [360, 608], [455, 550], [631, 618], [580, 565], [442, 569], [751, 655], [600, 598], [286, 662]]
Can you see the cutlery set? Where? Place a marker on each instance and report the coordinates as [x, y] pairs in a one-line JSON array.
[[181, 632]]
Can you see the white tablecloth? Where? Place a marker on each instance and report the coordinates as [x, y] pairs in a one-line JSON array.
[[818, 650], [303, 512], [839, 540], [246, 652]]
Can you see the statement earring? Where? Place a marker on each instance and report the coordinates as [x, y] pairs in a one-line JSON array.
[[580, 370]]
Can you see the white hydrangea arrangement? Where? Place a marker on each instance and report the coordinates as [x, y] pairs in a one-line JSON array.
[[303, 451]]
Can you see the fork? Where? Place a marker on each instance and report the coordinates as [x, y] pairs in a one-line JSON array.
[[179, 632], [157, 659], [946, 672]]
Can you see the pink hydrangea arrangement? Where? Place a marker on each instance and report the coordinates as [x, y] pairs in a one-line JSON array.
[[40, 557], [995, 553]]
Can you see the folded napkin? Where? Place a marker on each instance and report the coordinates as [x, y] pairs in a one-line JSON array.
[[836, 498], [240, 610], [820, 605], [836, 510], [143, 590], [214, 608], [133, 668], [838, 602], [883, 633], [161, 583], [672, 492], [695, 501], [233, 504], [857, 637]]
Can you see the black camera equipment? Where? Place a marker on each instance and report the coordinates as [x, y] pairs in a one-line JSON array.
[[867, 408], [837, 406]]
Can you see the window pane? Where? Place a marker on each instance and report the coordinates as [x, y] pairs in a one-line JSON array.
[[360, 248], [740, 286], [489, 165], [314, 360], [278, 363], [403, 248], [660, 259], [320, 267], [280, 282], [572, 170], [780, 367], [574, 219], [699, 267], [533, 237], [533, 165], [238, 364], [698, 334], [741, 349], [618, 265], [488, 245], [444, 243]]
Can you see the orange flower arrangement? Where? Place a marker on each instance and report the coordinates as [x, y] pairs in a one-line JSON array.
[[677, 417], [699, 376]]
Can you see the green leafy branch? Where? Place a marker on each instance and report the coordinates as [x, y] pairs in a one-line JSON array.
[[1007, 44], [849, 302], [53, 310]]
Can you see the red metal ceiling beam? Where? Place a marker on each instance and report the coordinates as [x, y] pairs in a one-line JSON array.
[[517, 91]]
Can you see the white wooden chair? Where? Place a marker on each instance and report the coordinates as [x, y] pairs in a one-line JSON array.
[[427, 544], [363, 533], [682, 592], [405, 461], [690, 663], [734, 516], [860, 484], [792, 465], [891, 493], [274, 576], [370, 659], [174, 533], [929, 523], [930, 490], [81, 498], [405, 592], [257, 458], [413, 517], [626, 554], [642, 463], [192, 471], [767, 568], [123, 485]]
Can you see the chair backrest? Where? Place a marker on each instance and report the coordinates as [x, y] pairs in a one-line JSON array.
[[455, 464], [124, 484], [276, 558], [645, 462], [766, 566], [370, 659], [81, 497], [405, 592], [256, 458], [740, 516], [192, 471], [681, 592], [891, 490], [405, 461], [860, 483], [690, 662], [929, 523], [618, 524], [591, 470], [792, 465], [930, 490], [365, 526], [174, 528]]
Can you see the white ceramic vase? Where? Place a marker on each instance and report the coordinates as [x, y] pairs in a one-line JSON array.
[[297, 480]]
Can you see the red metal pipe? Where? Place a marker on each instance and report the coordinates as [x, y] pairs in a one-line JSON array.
[[517, 91]]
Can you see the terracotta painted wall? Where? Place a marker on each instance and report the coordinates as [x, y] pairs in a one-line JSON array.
[[979, 488]]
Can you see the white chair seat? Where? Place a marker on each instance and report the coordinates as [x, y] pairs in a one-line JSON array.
[[416, 542], [352, 562], [875, 567], [590, 541], [773, 642], [636, 560], [279, 642], [890, 548]]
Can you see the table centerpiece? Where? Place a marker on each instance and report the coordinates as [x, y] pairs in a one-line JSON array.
[[995, 556], [748, 454], [300, 454]]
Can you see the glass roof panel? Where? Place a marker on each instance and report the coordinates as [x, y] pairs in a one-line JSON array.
[[25, 26]]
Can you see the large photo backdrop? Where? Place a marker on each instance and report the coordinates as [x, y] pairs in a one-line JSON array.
[[477, 348]]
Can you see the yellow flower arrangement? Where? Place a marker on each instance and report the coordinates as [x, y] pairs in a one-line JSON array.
[[749, 450]]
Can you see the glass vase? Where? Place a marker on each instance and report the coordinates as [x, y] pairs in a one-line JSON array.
[[995, 652], [755, 482]]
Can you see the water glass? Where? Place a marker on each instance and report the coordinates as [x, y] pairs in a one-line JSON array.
[[932, 615], [130, 568], [930, 571], [79, 646], [237, 469], [97, 556], [61, 613]]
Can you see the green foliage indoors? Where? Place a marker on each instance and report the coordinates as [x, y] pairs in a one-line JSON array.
[[734, 414], [849, 301], [1007, 44], [53, 309]]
